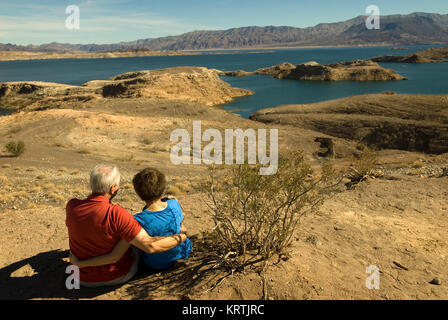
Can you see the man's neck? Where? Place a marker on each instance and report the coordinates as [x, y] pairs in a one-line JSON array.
[[107, 195], [157, 205]]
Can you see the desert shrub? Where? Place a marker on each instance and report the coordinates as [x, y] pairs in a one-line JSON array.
[[15, 148], [127, 198], [83, 150], [56, 197], [257, 215], [128, 186], [417, 164], [3, 181], [363, 164], [174, 190], [14, 130]]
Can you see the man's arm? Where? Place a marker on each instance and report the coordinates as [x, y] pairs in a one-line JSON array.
[[157, 244], [142, 241], [109, 258]]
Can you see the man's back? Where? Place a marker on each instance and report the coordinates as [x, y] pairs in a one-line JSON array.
[[95, 226]]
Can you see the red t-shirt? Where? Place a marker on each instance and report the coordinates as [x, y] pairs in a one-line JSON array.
[[94, 228]]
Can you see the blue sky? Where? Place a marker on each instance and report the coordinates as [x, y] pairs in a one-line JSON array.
[[110, 21]]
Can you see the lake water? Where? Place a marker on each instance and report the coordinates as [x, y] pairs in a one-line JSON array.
[[269, 92]]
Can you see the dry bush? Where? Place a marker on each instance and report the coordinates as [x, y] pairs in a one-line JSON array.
[[49, 187], [256, 216], [14, 130], [184, 187], [127, 198], [174, 190], [35, 189], [363, 165], [15, 148], [3, 181], [417, 164], [56, 197]]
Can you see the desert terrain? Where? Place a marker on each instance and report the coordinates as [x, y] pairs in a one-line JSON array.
[[396, 219]]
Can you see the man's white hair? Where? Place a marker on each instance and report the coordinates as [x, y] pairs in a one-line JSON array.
[[103, 177]]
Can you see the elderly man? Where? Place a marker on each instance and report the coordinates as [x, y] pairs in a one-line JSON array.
[[96, 226]]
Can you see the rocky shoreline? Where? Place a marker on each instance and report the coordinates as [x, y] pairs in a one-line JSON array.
[[383, 121], [188, 84], [357, 70], [432, 55]]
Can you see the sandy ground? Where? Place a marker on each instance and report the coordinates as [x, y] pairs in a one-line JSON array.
[[397, 222]]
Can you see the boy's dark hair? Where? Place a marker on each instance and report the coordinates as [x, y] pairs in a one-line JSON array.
[[149, 184]]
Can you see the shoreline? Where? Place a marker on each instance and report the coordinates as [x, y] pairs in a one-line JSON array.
[[9, 56]]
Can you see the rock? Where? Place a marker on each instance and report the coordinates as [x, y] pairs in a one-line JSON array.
[[444, 172], [313, 240], [412, 58], [427, 56], [358, 70], [275, 70], [192, 84], [236, 73], [327, 145], [435, 281]]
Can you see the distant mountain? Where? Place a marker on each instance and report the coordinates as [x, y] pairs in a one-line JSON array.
[[412, 29]]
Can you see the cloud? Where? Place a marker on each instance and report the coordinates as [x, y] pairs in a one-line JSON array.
[[97, 23]]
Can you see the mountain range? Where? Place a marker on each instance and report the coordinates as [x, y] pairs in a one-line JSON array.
[[411, 29]]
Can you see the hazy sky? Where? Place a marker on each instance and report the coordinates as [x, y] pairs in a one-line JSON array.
[[110, 21]]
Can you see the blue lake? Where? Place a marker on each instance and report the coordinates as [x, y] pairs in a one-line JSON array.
[[269, 92]]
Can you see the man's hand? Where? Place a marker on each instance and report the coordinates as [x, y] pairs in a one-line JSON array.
[[157, 244]]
